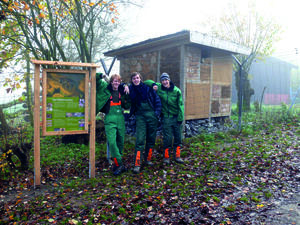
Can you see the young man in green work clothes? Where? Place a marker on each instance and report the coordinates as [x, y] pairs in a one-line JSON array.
[[146, 106], [111, 99], [172, 116]]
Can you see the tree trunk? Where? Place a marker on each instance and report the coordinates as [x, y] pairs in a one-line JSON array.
[[23, 154], [4, 125], [261, 98], [247, 91], [237, 86]]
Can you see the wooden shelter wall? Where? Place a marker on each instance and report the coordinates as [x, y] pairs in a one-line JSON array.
[[145, 63], [192, 65], [170, 63], [222, 69], [197, 101], [205, 69], [221, 86], [197, 77]]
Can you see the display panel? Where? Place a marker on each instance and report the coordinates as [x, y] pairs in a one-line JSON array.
[[65, 102]]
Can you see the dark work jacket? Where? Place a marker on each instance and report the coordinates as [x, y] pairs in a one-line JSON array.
[[143, 93]]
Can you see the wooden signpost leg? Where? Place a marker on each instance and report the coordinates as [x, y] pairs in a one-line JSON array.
[[37, 174], [93, 121]]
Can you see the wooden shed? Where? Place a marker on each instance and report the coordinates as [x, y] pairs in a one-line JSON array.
[[201, 66]]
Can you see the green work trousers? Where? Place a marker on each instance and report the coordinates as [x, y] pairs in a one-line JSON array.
[[146, 127], [171, 129], [115, 132]]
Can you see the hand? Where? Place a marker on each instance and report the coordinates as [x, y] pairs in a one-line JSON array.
[[179, 123], [155, 87], [126, 89], [105, 77]]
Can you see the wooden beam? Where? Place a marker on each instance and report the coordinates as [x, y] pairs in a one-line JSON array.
[[37, 172], [212, 66], [150, 49], [182, 77], [51, 133], [93, 121], [60, 63], [44, 97], [158, 67]]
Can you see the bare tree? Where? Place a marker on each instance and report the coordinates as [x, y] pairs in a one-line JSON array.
[[252, 29]]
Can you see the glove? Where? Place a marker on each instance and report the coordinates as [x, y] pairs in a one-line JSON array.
[[179, 123]]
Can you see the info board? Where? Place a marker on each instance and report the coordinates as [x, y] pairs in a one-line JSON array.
[[65, 102]]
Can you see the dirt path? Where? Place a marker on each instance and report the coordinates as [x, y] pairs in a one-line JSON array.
[[286, 210]]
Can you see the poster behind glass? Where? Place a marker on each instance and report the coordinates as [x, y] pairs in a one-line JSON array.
[[65, 102]]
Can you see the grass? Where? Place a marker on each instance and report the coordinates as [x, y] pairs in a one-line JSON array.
[[231, 208]]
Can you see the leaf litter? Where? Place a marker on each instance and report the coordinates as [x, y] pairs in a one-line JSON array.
[[243, 182]]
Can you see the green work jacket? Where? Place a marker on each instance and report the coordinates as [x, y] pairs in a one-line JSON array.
[[103, 93], [171, 100]]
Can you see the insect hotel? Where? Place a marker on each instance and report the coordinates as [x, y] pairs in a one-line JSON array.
[[201, 66]]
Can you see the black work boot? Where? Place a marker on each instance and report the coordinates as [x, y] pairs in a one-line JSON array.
[[113, 168], [137, 164], [166, 159], [149, 163], [148, 158], [136, 169], [119, 170], [179, 160], [177, 155]]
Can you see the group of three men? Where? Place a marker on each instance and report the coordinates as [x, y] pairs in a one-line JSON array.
[[147, 101]]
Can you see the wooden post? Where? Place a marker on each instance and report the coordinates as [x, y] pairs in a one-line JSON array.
[[182, 77], [93, 121], [158, 73], [211, 80], [37, 173]]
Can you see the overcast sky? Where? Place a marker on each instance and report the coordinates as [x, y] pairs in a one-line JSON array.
[[161, 17]]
